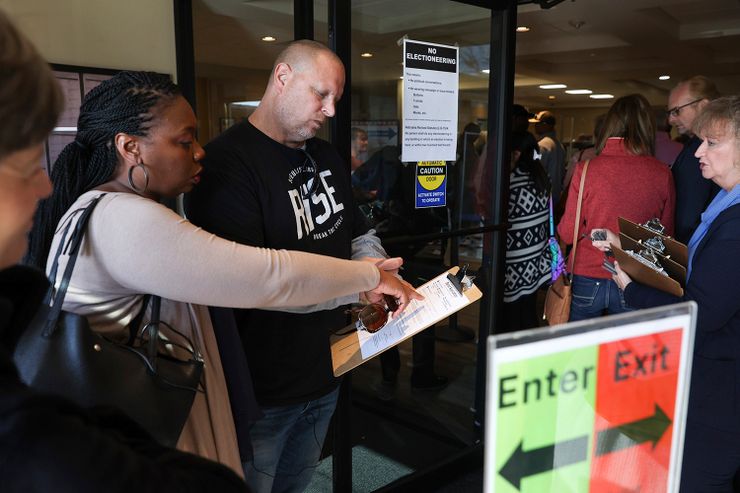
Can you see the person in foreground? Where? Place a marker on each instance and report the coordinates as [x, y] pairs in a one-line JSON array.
[[136, 144], [48, 443], [712, 444]]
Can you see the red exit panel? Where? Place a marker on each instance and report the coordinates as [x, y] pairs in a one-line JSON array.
[[635, 404]]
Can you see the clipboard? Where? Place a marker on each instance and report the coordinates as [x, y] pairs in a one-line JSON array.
[[644, 274], [677, 250], [346, 353], [674, 269]]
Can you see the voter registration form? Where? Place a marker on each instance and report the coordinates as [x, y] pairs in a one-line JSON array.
[[441, 299]]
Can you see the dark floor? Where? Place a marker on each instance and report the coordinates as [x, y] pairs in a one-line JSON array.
[[468, 483], [415, 429]]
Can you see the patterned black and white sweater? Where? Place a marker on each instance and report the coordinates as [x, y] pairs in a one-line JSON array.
[[527, 252]]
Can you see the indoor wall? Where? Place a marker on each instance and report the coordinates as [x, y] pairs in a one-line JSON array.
[[134, 35]]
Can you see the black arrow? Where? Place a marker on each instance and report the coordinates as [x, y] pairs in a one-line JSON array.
[[522, 464], [649, 429]]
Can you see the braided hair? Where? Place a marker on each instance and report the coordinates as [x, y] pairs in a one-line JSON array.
[[526, 144], [123, 104]]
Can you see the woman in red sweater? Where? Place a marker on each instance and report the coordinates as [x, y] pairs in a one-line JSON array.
[[623, 180]]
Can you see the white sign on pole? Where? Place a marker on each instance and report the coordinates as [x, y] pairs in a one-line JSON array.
[[430, 88]]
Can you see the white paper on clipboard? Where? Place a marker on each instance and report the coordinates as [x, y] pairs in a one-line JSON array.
[[441, 299]]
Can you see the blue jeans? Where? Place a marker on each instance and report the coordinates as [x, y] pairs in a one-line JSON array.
[[287, 444], [594, 297]]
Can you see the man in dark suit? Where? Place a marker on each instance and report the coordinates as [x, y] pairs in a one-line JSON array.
[[693, 192]]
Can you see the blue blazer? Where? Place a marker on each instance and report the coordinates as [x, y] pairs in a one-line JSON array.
[[715, 286]]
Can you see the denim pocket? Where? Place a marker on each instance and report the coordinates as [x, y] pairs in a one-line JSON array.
[[584, 292]]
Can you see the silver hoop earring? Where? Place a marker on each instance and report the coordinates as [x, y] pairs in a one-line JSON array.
[[131, 178]]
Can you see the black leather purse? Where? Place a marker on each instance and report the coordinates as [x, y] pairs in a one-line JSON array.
[[60, 354]]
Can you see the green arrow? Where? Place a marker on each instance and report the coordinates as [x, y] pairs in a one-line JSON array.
[[649, 429], [522, 464]]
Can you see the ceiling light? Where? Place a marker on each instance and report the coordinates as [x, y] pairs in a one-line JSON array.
[[551, 97], [367, 54], [486, 71], [664, 77], [553, 86], [578, 91], [601, 96], [522, 29], [269, 39], [401, 77], [251, 104]]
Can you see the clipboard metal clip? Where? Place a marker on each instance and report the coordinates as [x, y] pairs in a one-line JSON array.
[[655, 226], [462, 281]]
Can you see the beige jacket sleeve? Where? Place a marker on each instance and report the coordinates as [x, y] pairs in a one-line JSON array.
[[147, 248], [363, 246]]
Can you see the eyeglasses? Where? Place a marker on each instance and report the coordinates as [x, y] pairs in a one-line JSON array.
[[374, 316], [674, 112], [309, 165]]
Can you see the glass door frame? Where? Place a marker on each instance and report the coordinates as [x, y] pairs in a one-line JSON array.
[[500, 100]]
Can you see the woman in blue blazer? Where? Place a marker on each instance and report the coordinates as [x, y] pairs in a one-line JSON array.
[[712, 443]]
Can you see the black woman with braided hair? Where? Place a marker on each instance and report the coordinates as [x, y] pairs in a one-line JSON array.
[[135, 145], [46, 442]]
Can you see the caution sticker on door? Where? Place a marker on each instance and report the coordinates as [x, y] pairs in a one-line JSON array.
[[431, 184]]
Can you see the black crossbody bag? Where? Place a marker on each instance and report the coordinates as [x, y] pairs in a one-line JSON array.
[[60, 354]]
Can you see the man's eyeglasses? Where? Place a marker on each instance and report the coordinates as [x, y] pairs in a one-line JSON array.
[[309, 165], [674, 112], [374, 316]]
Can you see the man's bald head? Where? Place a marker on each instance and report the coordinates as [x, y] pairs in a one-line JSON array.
[[306, 82], [686, 101], [302, 54]]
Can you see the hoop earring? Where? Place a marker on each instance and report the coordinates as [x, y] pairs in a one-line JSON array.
[[131, 178]]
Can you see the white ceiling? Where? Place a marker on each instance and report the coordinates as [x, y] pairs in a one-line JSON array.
[[611, 46]]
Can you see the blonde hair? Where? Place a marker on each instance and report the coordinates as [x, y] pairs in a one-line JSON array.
[[701, 87], [30, 98], [720, 113], [631, 118]]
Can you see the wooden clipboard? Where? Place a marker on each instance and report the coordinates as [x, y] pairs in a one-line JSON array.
[[677, 250], [645, 275], [674, 269], [345, 348]]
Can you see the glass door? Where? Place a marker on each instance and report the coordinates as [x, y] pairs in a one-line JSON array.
[[410, 408], [412, 405]]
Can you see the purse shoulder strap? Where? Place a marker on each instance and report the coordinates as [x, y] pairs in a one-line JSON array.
[[578, 217], [73, 249], [55, 265], [133, 326]]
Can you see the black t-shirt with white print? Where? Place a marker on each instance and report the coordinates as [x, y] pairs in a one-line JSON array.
[[254, 190]]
